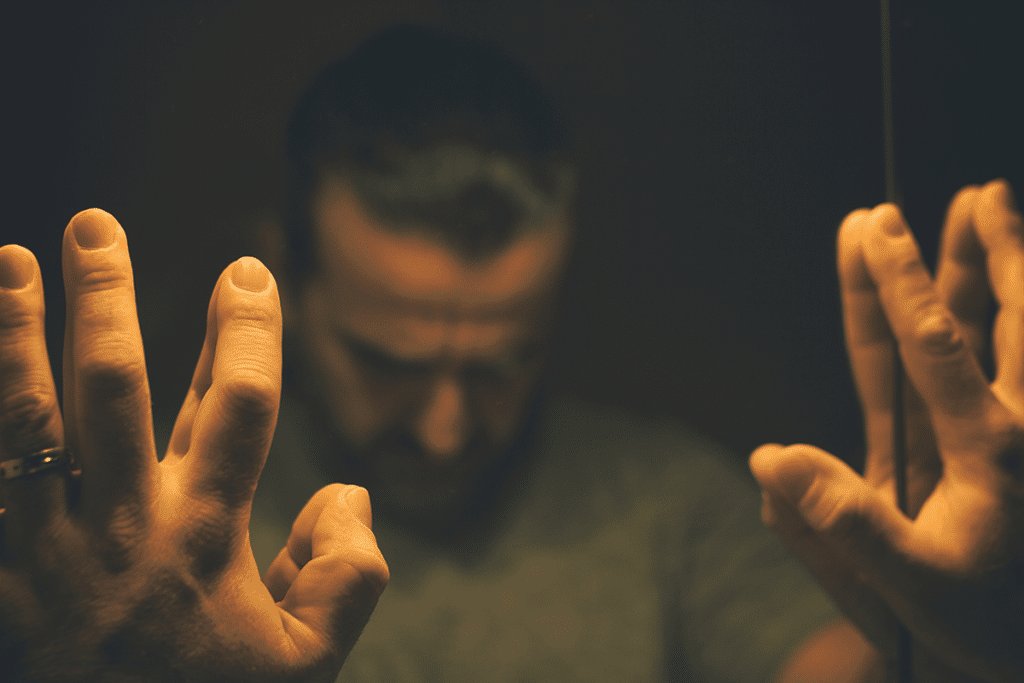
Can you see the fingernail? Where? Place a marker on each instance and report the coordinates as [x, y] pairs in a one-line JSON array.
[[939, 335], [94, 229], [357, 499], [17, 267], [249, 274], [356, 492], [892, 222]]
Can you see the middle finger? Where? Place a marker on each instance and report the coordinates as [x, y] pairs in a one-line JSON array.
[[961, 277], [106, 393]]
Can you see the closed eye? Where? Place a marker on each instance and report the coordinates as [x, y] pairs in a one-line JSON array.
[[502, 369], [382, 363]]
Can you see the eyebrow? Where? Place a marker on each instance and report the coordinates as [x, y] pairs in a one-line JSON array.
[[375, 353], [368, 350]]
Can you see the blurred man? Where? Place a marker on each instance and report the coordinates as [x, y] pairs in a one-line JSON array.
[[530, 538]]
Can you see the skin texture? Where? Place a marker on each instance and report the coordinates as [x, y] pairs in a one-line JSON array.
[[423, 361], [953, 571], [139, 569]]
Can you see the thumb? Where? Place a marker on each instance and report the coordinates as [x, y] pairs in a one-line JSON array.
[[341, 572], [836, 508]]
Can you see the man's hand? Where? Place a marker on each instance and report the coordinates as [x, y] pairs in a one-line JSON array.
[[134, 569], [953, 570]]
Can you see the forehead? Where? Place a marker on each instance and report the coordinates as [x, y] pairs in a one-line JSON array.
[[409, 293]]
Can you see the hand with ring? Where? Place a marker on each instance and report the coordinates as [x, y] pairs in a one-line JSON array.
[[117, 565]]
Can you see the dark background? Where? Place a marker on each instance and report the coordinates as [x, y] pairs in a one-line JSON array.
[[722, 142]]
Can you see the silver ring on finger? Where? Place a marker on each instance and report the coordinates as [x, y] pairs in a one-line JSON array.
[[34, 463]]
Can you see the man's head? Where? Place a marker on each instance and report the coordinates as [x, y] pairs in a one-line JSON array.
[[429, 222]]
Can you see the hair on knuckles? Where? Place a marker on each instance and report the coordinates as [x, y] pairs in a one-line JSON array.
[[430, 129]]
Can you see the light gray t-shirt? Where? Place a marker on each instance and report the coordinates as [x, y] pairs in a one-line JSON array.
[[633, 552]]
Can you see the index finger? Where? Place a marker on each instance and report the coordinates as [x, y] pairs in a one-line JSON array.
[[935, 351], [869, 339], [224, 429], [870, 344]]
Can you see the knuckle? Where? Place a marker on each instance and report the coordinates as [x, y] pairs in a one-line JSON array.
[[888, 215], [210, 546], [111, 372], [839, 517], [208, 537], [249, 315], [256, 312], [249, 391], [16, 316], [851, 523], [937, 334], [25, 416], [905, 262], [104, 279], [365, 570], [122, 536]]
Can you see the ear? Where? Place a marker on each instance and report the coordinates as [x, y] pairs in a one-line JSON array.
[[272, 248]]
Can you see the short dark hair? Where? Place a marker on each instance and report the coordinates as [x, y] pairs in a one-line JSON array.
[[432, 129]]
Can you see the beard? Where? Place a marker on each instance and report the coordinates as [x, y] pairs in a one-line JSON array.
[[406, 480], [407, 487], [442, 500]]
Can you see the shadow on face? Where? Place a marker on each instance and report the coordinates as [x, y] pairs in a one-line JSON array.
[[423, 361]]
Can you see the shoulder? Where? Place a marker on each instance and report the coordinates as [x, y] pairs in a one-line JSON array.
[[599, 464]]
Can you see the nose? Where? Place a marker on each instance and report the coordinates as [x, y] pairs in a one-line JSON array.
[[443, 425]]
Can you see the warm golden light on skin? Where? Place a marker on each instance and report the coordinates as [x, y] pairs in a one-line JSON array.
[[418, 298], [436, 323]]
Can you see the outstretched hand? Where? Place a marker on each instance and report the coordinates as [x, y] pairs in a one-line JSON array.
[[132, 568], [952, 570]]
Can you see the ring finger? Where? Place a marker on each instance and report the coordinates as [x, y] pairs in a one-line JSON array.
[[29, 413]]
